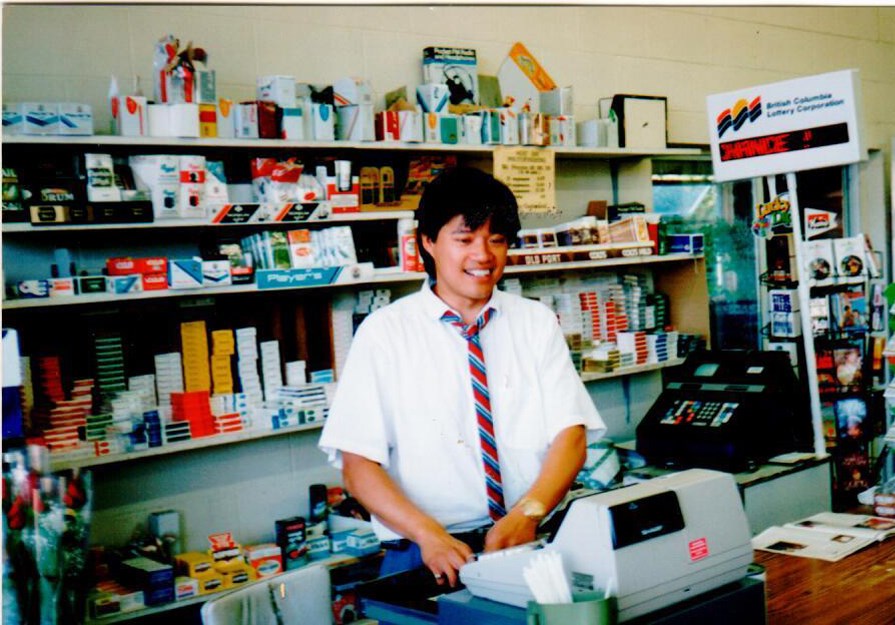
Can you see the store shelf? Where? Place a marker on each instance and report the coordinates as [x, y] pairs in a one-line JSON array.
[[593, 376], [380, 276], [59, 462], [122, 617], [14, 228], [390, 146]]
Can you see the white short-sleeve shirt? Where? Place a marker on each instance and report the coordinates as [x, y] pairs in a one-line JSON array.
[[405, 400]]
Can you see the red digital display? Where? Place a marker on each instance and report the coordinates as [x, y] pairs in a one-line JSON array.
[[781, 143]]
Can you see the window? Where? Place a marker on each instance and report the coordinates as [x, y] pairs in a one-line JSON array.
[[687, 198]]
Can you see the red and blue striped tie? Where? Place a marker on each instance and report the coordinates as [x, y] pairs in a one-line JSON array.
[[479, 377]]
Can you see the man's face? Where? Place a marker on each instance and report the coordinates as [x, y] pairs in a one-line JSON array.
[[468, 264]]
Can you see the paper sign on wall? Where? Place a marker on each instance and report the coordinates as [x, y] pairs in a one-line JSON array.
[[530, 174], [788, 126]]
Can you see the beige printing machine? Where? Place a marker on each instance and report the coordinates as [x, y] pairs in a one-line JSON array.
[[653, 544]]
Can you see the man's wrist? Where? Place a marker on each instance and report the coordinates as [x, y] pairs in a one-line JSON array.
[[532, 508]]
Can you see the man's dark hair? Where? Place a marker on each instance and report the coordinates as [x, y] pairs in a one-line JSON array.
[[469, 192]]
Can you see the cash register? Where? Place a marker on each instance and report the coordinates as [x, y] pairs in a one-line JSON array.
[[675, 549], [726, 410]]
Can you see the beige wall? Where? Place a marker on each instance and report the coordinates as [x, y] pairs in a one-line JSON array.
[[69, 52]]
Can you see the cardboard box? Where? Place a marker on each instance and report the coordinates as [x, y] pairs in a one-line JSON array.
[[410, 125], [132, 117], [388, 126], [159, 120], [509, 127], [642, 120], [352, 92], [292, 123], [456, 68], [268, 120], [13, 119], [75, 119], [208, 120], [472, 129], [160, 175], [185, 273], [246, 120], [278, 89], [184, 119], [323, 125], [684, 243], [206, 86], [556, 101], [432, 98], [522, 78], [40, 118], [226, 119], [356, 122]]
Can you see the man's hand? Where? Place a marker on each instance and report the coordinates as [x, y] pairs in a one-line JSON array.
[[443, 555], [513, 529]]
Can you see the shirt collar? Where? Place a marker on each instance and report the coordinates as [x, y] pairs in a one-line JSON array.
[[435, 307]]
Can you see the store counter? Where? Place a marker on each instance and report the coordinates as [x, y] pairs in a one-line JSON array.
[[413, 599]]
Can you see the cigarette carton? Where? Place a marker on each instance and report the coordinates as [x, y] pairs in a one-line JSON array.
[[226, 119], [132, 117], [75, 119], [13, 119], [432, 98], [322, 122], [246, 120], [292, 124], [208, 120], [356, 122], [40, 118], [410, 126], [160, 175], [277, 89], [184, 119]]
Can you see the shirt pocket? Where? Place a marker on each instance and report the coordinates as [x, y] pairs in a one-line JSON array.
[[520, 420]]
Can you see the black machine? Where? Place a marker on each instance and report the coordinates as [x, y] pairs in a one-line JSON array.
[[727, 410]]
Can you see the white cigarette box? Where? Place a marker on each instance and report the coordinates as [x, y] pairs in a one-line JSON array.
[[356, 122], [410, 126], [432, 98], [184, 120], [226, 119], [75, 119], [40, 118], [160, 175], [185, 273], [352, 91], [278, 89], [216, 273], [322, 122], [509, 127], [159, 120], [247, 120], [192, 187], [132, 118], [13, 119], [472, 129], [292, 125], [121, 285]]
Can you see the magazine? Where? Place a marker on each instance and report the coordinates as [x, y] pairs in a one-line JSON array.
[[875, 527], [826, 536]]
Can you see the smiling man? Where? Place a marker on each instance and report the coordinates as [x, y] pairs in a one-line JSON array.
[[459, 420]]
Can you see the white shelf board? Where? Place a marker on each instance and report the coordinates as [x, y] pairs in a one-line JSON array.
[[592, 376], [8, 228], [116, 140], [380, 277], [59, 461]]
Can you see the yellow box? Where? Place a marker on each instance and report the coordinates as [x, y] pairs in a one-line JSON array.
[[194, 564], [210, 582], [208, 120]]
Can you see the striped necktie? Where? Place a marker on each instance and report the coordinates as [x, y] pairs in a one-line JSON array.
[[479, 378]]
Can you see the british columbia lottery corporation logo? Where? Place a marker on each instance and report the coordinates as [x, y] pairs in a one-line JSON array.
[[738, 114]]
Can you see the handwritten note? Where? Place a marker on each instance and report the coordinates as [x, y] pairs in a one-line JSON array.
[[530, 173]]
